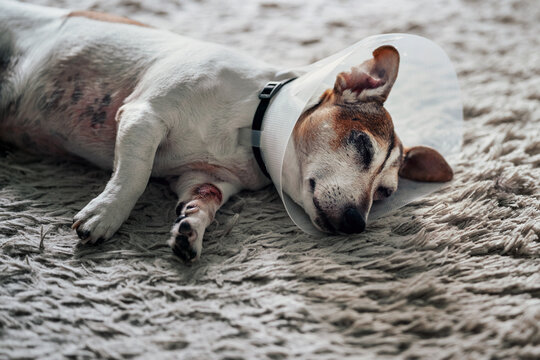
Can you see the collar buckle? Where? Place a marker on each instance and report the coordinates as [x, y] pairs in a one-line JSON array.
[[266, 94], [270, 89]]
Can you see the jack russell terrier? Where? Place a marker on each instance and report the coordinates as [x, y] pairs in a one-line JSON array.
[[147, 102]]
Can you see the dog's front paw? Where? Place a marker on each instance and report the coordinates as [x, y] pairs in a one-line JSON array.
[[187, 234], [99, 220]]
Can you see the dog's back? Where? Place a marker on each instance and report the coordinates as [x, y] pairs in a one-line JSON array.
[[67, 74]]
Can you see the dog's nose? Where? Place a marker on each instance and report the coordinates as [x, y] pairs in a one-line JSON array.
[[353, 222]]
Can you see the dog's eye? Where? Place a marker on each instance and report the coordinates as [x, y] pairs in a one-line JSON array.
[[384, 191], [363, 145]]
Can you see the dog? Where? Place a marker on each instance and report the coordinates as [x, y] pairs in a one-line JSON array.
[[147, 102]]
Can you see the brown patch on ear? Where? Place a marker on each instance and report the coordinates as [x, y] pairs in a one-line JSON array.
[[422, 163], [94, 15], [328, 95]]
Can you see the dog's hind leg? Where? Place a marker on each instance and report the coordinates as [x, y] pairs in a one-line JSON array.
[[139, 134], [200, 196]]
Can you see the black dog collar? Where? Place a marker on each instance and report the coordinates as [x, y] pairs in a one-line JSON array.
[[267, 93]]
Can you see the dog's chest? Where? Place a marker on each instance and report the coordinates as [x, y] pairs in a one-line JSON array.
[[208, 144]]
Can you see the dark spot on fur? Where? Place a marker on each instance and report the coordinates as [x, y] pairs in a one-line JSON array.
[[51, 102], [89, 111], [77, 94], [56, 96], [106, 100], [99, 118]]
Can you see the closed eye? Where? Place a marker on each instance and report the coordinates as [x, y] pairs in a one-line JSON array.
[[361, 141]]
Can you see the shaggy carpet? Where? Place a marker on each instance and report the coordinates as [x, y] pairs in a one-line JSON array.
[[454, 275]]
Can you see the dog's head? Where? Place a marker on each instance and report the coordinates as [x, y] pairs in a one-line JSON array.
[[348, 152]]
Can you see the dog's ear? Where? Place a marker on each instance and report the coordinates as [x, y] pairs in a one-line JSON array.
[[372, 80], [422, 163]]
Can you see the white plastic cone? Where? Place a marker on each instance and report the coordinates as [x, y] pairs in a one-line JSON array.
[[424, 103]]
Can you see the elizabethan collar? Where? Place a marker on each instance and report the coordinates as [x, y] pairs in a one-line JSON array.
[[424, 104]]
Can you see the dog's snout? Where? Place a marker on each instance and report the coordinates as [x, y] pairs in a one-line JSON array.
[[353, 222]]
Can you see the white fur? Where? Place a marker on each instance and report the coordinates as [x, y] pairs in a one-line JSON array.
[[188, 103], [183, 104]]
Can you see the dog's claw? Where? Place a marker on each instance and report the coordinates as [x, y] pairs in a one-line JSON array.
[[180, 218], [76, 224], [191, 209]]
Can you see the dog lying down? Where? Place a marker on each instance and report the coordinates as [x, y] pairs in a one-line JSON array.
[[146, 102]]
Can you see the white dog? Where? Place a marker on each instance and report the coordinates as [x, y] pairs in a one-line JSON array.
[[144, 102]]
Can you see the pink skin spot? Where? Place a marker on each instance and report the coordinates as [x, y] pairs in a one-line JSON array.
[[208, 192], [357, 81], [363, 81]]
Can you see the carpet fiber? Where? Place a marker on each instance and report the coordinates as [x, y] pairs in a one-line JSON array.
[[455, 275]]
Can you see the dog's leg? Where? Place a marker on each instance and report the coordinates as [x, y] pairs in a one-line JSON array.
[[200, 196], [139, 134]]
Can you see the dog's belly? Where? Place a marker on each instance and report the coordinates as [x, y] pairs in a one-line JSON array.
[[69, 109], [65, 120]]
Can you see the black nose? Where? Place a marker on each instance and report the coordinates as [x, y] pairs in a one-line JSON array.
[[353, 222]]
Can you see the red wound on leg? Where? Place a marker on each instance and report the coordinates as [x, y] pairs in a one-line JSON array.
[[208, 192]]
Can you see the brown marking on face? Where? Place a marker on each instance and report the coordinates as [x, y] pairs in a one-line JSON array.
[[355, 103], [305, 128], [94, 15], [371, 118], [207, 192]]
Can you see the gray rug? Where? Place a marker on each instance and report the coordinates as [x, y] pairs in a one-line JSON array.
[[455, 275]]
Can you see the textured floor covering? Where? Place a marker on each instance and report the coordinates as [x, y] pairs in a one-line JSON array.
[[453, 276]]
